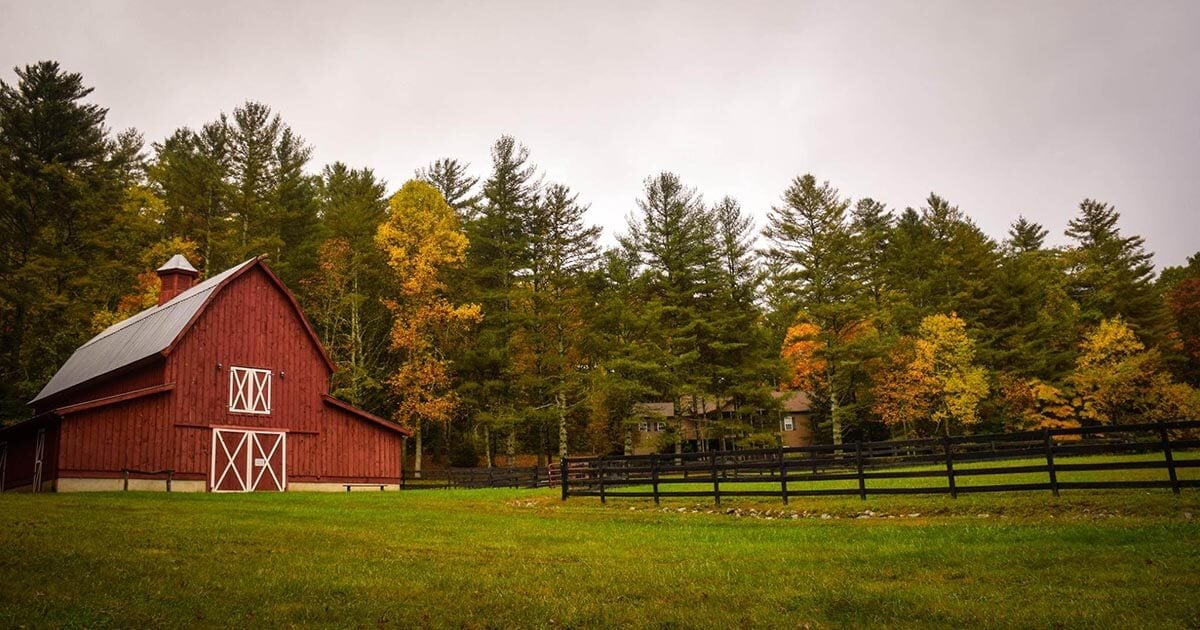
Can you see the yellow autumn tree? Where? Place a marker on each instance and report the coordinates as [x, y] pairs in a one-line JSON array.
[[931, 381], [1118, 380], [422, 240], [946, 355]]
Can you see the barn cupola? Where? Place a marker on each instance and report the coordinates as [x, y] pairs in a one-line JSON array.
[[177, 276]]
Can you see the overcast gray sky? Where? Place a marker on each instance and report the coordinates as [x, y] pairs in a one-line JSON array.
[[1005, 108]]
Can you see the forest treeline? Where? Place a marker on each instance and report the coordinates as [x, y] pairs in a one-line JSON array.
[[477, 304]]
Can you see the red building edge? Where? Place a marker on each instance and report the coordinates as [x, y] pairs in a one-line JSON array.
[[224, 386]]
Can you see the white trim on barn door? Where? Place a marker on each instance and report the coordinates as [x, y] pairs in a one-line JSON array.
[[248, 459], [249, 390]]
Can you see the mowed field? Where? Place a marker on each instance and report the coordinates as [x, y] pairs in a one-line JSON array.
[[505, 558]]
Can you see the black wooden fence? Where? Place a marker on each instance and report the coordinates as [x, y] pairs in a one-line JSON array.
[[508, 477], [794, 469]]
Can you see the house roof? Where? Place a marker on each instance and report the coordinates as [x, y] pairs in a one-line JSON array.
[[794, 401], [664, 409], [154, 331]]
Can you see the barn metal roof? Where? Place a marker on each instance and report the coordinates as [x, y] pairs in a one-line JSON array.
[[137, 338]]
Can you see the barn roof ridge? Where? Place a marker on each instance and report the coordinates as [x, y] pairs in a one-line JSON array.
[[154, 331]]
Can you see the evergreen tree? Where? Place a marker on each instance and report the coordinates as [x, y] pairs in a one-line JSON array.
[[66, 248], [622, 349], [238, 188], [739, 359], [451, 178], [191, 174], [1112, 275], [342, 297], [498, 257], [812, 245], [562, 248], [671, 238], [1026, 236], [872, 224], [1031, 322]]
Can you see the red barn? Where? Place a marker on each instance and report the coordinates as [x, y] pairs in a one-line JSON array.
[[223, 383]]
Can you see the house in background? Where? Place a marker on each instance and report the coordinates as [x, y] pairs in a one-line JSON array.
[[697, 426], [223, 383]]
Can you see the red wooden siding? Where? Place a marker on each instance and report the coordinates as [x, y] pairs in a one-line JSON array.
[[140, 377]]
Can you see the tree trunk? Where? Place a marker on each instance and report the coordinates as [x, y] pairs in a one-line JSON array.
[[833, 407], [417, 457], [487, 445], [511, 448], [561, 401]]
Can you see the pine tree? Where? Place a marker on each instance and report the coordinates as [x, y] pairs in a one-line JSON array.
[[342, 297], [1026, 236], [191, 174], [1112, 275], [671, 238], [66, 248], [498, 257], [739, 359], [562, 248], [871, 224], [451, 178], [812, 246], [1031, 323], [238, 188]]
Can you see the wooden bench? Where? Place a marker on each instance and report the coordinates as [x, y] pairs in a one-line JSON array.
[[364, 485]]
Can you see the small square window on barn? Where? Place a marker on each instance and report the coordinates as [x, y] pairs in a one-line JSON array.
[[789, 423], [644, 427], [249, 390], [660, 427]]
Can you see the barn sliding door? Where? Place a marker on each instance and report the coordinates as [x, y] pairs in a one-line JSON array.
[[248, 461]]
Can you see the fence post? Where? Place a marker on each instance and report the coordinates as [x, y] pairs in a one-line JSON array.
[[562, 480], [716, 480], [654, 475], [536, 471], [950, 466], [1050, 460], [782, 475], [170, 474], [1166, 447], [862, 481], [125, 472], [603, 499]]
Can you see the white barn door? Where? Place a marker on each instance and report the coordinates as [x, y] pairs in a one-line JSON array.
[[248, 460]]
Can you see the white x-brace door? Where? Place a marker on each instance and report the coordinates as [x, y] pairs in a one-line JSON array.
[[248, 460]]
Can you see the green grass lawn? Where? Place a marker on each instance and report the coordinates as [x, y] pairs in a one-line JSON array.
[[503, 558]]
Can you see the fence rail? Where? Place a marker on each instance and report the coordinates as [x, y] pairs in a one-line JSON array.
[[527, 477], [727, 473]]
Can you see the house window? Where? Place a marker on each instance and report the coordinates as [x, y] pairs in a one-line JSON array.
[[660, 426], [644, 427], [789, 423], [249, 390]]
